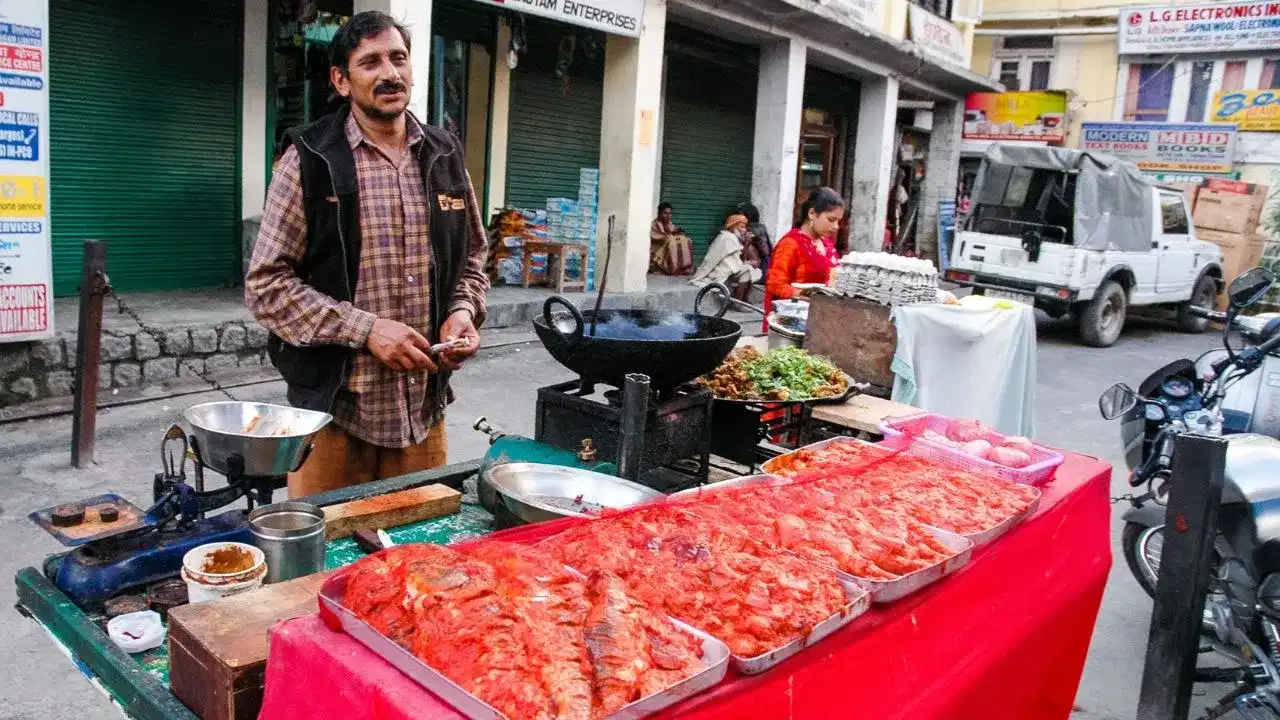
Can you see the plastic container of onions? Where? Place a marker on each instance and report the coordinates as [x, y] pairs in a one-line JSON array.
[[1044, 462]]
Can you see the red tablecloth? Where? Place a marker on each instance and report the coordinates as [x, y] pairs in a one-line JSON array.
[[1006, 637]]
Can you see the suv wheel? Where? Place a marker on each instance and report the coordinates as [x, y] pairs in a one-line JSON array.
[[1103, 319], [1204, 295]]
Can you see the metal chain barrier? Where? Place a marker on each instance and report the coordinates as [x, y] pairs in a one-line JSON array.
[[157, 335]]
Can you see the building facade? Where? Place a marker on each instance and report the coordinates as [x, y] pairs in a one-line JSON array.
[[166, 117], [1178, 65]]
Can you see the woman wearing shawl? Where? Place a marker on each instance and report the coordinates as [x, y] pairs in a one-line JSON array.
[[670, 250], [807, 254], [729, 260]]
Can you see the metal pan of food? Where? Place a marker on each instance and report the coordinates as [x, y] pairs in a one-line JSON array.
[[339, 618], [859, 602], [535, 492], [780, 376], [853, 388], [887, 591], [738, 482], [781, 464], [605, 346]]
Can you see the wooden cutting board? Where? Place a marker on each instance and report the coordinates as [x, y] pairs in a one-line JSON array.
[[390, 510], [218, 649]]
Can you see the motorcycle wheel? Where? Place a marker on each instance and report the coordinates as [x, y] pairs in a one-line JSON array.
[[1130, 541]]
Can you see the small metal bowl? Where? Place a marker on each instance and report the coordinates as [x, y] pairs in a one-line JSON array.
[[533, 492], [271, 439]]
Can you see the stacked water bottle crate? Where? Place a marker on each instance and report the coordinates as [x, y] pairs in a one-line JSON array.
[[574, 222]]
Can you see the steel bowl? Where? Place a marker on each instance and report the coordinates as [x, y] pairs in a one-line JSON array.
[[532, 492], [272, 439]]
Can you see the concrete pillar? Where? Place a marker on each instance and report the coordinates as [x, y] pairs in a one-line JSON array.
[[776, 152], [628, 148], [253, 110], [873, 161], [941, 173], [416, 16], [499, 114]]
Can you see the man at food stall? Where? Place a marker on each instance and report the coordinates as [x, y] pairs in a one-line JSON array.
[[372, 249]]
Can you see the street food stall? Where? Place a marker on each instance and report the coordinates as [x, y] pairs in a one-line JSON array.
[[610, 565]]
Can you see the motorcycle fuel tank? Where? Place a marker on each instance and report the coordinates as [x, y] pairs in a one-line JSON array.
[[1251, 477]]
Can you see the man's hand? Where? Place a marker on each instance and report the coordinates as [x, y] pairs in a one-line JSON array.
[[458, 325], [400, 347]]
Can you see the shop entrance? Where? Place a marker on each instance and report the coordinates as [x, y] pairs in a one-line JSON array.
[[817, 166]]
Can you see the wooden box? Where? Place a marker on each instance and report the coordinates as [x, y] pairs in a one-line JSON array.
[[1229, 212], [854, 334], [1239, 253], [218, 649]]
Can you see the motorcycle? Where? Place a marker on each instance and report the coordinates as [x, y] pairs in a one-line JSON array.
[[1241, 619]]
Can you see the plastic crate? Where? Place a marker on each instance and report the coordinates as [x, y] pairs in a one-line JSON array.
[[1044, 462]]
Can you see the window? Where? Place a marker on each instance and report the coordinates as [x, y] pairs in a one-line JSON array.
[[1024, 62], [941, 8], [1174, 214], [1270, 79], [1233, 76], [1198, 100], [1150, 87]]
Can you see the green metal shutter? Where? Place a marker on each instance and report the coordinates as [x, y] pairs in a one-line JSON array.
[[554, 126], [707, 138], [145, 144]]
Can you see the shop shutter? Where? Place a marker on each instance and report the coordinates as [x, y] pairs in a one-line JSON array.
[[707, 138], [145, 144], [554, 126]]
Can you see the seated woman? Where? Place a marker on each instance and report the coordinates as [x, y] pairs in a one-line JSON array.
[[807, 254], [670, 250], [730, 260]]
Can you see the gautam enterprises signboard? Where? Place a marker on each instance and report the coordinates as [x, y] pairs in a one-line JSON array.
[[1165, 147], [1204, 28], [619, 17]]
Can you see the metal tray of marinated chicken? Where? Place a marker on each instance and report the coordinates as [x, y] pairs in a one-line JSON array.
[[779, 463], [339, 618], [882, 591], [859, 603]]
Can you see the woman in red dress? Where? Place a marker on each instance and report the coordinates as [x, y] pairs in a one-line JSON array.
[[807, 254]]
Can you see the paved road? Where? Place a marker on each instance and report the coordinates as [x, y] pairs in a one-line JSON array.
[[39, 682]]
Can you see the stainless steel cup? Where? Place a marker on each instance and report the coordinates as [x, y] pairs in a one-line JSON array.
[[291, 535]]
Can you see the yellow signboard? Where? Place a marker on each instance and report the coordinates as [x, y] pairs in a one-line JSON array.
[[22, 196], [1016, 116], [1248, 110]]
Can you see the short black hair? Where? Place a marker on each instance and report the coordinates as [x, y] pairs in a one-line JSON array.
[[751, 211], [663, 206], [360, 26]]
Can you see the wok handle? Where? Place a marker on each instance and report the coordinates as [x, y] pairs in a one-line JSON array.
[[568, 339], [718, 288]]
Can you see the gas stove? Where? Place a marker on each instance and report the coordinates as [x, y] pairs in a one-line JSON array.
[[662, 440]]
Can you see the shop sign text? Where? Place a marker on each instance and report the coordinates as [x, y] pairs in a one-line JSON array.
[[620, 17], [1255, 110], [936, 37], [1217, 27], [1192, 148], [1031, 115], [26, 278]]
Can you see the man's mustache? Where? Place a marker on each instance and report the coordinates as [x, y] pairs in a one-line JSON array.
[[388, 87]]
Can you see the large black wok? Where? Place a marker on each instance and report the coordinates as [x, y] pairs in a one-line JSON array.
[[604, 346]]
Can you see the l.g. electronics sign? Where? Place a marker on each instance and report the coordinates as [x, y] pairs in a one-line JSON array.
[[1165, 147], [620, 17], [1217, 27]]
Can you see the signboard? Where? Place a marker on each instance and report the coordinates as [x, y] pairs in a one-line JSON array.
[[26, 282], [1016, 116], [619, 17], [937, 38], [1200, 28], [868, 13], [1256, 110], [1164, 147], [946, 232]]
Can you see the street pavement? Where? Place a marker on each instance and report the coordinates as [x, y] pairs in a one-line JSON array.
[[39, 681]]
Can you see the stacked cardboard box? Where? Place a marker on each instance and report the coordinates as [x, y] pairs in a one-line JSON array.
[[1227, 214]]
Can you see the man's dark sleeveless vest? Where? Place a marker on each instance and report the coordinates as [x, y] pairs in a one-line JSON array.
[[331, 203]]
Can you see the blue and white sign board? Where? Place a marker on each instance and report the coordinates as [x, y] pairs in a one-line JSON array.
[[26, 268], [1199, 28]]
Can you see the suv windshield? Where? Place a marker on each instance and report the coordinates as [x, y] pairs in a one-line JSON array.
[[1022, 201]]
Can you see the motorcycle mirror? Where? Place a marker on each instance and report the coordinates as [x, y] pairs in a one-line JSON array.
[[1250, 286], [1116, 401]]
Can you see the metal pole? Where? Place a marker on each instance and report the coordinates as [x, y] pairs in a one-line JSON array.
[[635, 411], [93, 286], [1191, 524]]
